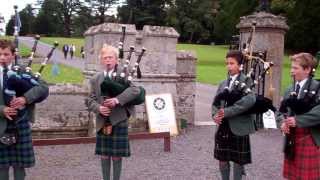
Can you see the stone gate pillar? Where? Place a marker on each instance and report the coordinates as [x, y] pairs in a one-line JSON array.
[[270, 31], [96, 36]]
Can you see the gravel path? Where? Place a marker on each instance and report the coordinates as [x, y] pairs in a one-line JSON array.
[[191, 158]]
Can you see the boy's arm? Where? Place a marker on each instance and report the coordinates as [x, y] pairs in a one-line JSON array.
[[215, 108], [92, 100], [37, 93], [241, 106], [128, 95]]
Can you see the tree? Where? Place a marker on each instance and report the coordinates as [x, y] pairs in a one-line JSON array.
[[27, 20], [100, 8], [49, 20], [142, 12], [82, 20], [64, 11], [193, 19], [229, 16], [68, 8], [303, 19]]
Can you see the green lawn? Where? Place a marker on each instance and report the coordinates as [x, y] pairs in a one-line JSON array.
[[66, 75]]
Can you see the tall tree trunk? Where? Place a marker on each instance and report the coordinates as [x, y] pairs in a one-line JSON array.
[[67, 26]]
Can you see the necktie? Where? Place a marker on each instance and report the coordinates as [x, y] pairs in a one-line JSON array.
[[297, 89]]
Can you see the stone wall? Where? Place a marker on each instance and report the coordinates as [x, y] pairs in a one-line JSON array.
[[63, 113]]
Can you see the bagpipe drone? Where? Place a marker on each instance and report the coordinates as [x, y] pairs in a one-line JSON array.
[[121, 78]]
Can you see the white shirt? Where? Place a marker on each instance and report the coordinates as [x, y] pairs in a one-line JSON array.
[[233, 78], [109, 73]]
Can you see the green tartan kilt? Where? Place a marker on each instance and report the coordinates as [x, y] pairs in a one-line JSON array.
[[116, 144], [20, 154]]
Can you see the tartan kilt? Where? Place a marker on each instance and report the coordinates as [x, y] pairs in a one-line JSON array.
[[306, 162], [230, 147], [116, 144], [20, 154]]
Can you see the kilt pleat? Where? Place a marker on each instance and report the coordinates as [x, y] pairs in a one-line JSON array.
[[306, 162], [230, 147], [20, 154], [116, 144]]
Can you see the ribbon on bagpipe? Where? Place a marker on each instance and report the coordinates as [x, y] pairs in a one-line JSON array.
[[255, 67], [111, 87], [293, 105]]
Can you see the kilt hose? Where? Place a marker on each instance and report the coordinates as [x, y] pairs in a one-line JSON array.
[[306, 162], [20, 154], [116, 144], [230, 147]]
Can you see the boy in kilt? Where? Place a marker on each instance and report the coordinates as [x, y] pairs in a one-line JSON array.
[[234, 125], [300, 121], [19, 155], [112, 115]]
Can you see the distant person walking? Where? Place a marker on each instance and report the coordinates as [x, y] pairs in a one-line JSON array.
[[72, 50], [65, 50], [82, 52]]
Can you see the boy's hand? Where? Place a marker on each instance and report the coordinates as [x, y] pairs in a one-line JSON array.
[[285, 128], [9, 111], [217, 118], [104, 110], [111, 102], [18, 102], [290, 121]]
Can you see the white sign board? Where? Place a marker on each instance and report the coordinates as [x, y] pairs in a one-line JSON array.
[[269, 120], [161, 114]]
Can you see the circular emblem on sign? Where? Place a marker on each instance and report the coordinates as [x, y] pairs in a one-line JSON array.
[[159, 103]]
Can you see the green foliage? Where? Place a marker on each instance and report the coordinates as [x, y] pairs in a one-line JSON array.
[[229, 16], [82, 21], [49, 19], [100, 8], [193, 19], [143, 12]]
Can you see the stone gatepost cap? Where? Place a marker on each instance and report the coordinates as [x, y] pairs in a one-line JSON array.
[[263, 20], [113, 28], [160, 31], [186, 55]]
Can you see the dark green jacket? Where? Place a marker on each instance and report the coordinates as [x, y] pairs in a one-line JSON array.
[[240, 122], [311, 119]]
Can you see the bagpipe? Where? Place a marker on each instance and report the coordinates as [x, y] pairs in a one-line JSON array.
[[111, 87], [255, 67], [19, 79]]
